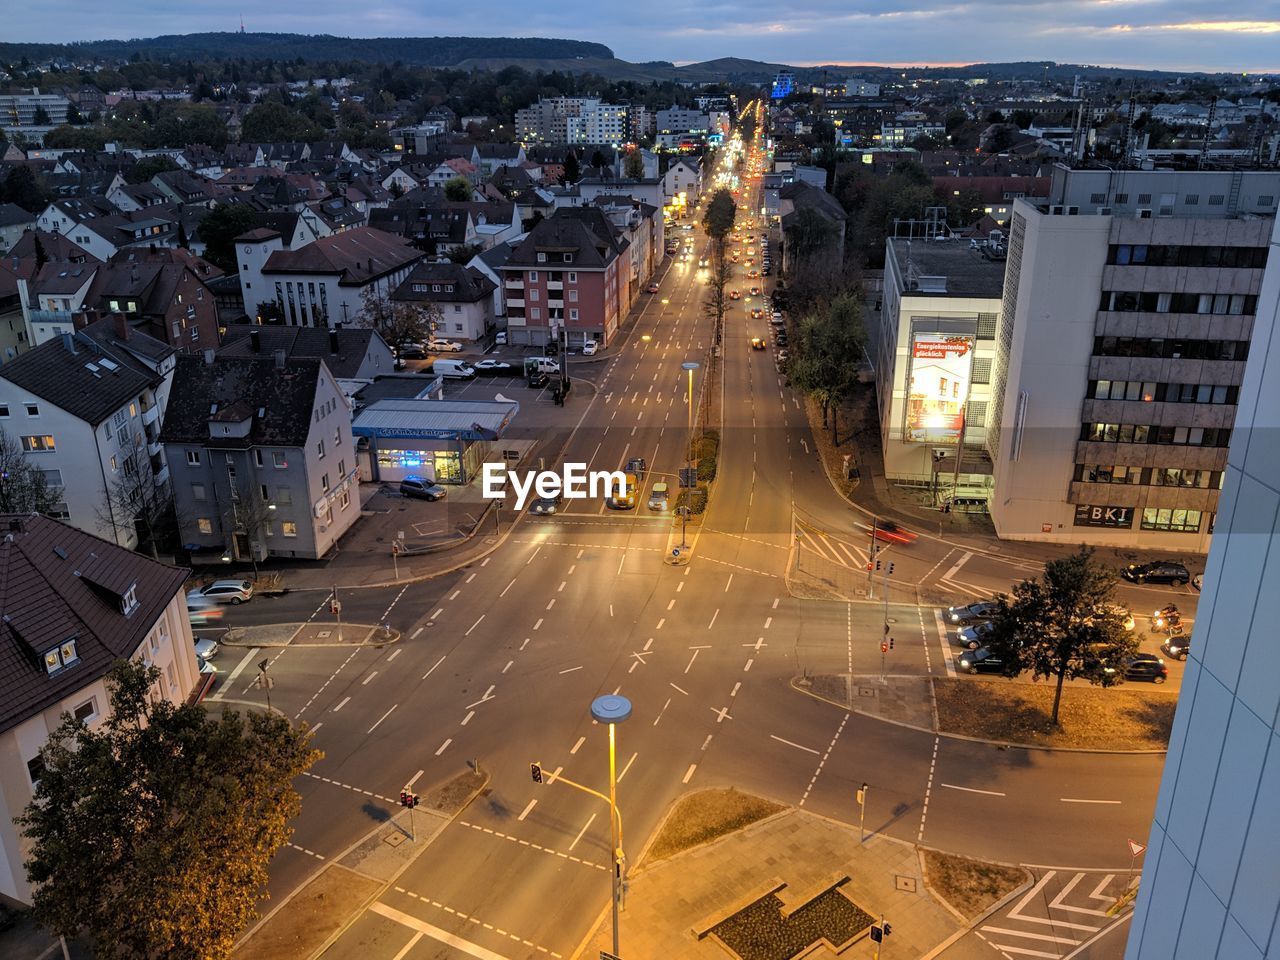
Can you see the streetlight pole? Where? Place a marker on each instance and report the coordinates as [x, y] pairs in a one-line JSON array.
[[690, 366], [613, 709]]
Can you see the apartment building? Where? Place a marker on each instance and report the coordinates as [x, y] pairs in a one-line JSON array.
[[73, 605], [548, 120], [1209, 885], [263, 458], [1128, 310], [463, 295], [600, 124], [19, 113]]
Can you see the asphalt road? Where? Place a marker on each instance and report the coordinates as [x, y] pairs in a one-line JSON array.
[[499, 663]]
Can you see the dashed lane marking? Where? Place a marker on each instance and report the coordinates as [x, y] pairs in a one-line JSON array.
[[823, 761], [531, 845]]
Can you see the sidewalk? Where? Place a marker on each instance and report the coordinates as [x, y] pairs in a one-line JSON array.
[[818, 876]]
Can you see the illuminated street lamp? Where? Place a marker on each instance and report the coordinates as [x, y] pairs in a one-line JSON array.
[[613, 709]]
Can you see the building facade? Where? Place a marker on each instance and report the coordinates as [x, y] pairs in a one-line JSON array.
[[1209, 885]]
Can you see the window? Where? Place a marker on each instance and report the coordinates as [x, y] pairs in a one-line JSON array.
[[198, 492], [289, 528], [344, 500], [172, 677], [193, 458], [320, 448], [278, 460], [265, 492], [1192, 199], [38, 444], [129, 602], [1175, 521], [61, 656], [284, 496], [33, 410], [573, 277], [257, 457], [542, 258], [35, 770], [533, 295], [573, 314], [205, 525], [324, 483], [342, 468], [533, 274], [1215, 200], [568, 258], [337, 436], [87, 712], [4, 410]]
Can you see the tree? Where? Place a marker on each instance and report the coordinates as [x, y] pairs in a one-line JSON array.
[[1064, 626], [464, 253], [716, 303], [572, 169], [23, 187], [219, 230], [399, 321], [633, 165], [42, 257], [829, 349], [598, 159], [148, 167], [23, 486], [67, 137], [151, 834], [458, 189], [40, 117], [720, 215], [273, 122]]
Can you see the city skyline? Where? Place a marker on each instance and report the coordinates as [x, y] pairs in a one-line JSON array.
[[1152, 34]]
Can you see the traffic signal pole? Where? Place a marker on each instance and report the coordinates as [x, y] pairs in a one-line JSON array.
[[871, 561]]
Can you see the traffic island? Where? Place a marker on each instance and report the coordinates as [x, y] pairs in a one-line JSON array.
[[310, 635], [905, 700], [970, 887]]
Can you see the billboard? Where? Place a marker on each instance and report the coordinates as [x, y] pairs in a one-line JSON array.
[[937, 387]]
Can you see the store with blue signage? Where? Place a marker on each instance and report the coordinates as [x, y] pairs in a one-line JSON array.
[[443, 440]]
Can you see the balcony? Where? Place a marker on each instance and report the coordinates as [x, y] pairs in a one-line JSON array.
[[161, 479], [511, 302], [51, 316], [150, 415], [154, 447], [555, 284], [513, 284]]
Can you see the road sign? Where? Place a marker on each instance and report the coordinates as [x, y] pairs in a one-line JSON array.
[[675, 551], [877, 935], [862, 797], [688, 477], [1136, 848]]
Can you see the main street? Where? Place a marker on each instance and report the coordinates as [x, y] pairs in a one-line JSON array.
[[499, 662]]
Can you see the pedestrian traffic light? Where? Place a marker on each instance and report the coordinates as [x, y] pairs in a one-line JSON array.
[[868, 564], [536, 770], [887, 929], [884, 647]]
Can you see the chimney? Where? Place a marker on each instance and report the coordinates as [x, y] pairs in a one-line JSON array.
[[69, 342], [279, 355], [333, 341], [208, 357], [255, 340], [122, 325]]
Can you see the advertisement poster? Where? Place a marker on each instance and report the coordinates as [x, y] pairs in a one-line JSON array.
[[938, 387]]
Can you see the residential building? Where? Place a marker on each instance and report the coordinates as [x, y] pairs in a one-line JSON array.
[[14, 221], [489, 263], [600, 124], [73, 605], [683, 177], [20, 111], [903, 131], [567, 278], [163, 292], [350, 353], [263, 458], [85, 408], [1129, 307], [797, 196], [326, 282], [934, 354], [678, 120], [1208, 880], [547, 121], [463, 295]]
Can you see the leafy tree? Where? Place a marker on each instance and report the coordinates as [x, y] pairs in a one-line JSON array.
[[273, 122], [458, 189], [598, 159], [1022, 119], [1000, 138], [151, 835], [716, 303], [23, 187], [40, 117], [1064, 625], [464, 253], [720, 215], [23, 487], [398, 321], [828, 351], [134, 504], [219, 230], [42, 256], [572, 169], [148, 167], [633, 165], [67, 137]]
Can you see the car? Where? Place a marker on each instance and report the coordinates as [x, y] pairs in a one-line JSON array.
[[500, 338], [756, 313], [757, 343], [783, 357], [753, 274], [658, 495], [411, 351], [973, 612], [704, 262], [780, 337], [686, 226], [222, 591], [589, 348], [1122, 614], [1177, 647], [755, 291], [981, 660], [444, 346], [420, 488], [777, 317], [637, 465], [545, 506], [735, 294], [493, 366], [201, 611], [1145, 666], [1160, 571], [974, 636], [890, 532], [1197, 582], [538, 379], [651, 288], [206, 647]]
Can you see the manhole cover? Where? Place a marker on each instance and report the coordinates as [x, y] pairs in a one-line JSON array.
[[324, 634], [866, 691], [395, 838], [907, 884]]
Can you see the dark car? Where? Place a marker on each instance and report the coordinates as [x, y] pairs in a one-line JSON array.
[[1145, 666], [637, 465], [981, 660], [545, 506], [422, 489], [538, 379], [411, 351], [973, 612], [973, 637], [1177, 647], [1161, 571]]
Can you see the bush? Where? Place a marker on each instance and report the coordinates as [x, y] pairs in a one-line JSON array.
[[695, 500], [706, 469]]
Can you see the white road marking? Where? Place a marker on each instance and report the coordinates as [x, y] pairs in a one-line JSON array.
[[790, 743], [713, 616], [625, 769], [507, 587], [394, 653], [244, 662], [433, 667], [435, 933], [414, 779], [577, 746], [691, 659], [345, 701], [467, 718], [728, 583], [662, 711], [989, 793], [488, 695], [383, 717], [444, 746], [525, 812], [750, 661], [671, 603], [571, 669], [1075, 800], [583, 830], [688, 774], [538, 624], [436, 615], [454, 595], [1031, 936], [956, 569], [508, 666], [366, 680]]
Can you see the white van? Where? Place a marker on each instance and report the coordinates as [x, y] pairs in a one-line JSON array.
[[453, 369], [542, 364]]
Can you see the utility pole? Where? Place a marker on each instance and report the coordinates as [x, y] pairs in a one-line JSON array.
[[862, 814], [335, 606]]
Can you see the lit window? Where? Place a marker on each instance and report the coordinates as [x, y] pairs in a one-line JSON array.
[[205, 525], [38, 444], [289, 528], [279, 460]]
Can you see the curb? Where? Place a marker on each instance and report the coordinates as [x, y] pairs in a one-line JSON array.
[[395, 637], [1006, 744], [968, 925]]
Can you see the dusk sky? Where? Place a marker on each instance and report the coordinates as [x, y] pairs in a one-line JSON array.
[[1169, 34]]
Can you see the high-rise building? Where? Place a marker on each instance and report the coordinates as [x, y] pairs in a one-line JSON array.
[[1128, 310], [784, 84], [1210, 887], [32, 114]]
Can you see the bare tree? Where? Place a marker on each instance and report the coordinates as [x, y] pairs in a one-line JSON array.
[[24, 487], [251, 516], [399, 321], [134, 504], [716, 303]]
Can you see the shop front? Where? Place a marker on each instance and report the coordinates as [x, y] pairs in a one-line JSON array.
[[441, 440]]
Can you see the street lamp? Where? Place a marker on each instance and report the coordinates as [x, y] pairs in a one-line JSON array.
[[690, 366], [613, 709]]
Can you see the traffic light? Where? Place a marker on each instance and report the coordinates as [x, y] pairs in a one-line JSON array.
[[404, 798], [891, 568], [877, 564], [868, 564], [877, 935], [536, 770], [887, 929], [891, 643]]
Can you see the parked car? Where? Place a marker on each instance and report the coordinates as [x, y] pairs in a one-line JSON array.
[[1160, 571], [444, 346], [589, 347], [652, 288], [1197, 582], [658, 495], [222, 591], [973, 612], [545, 506], [206, 647], [1145, 666], [411, 351], [500, 338], [538, 379], [974, 636], [420, 488], [981, 660], [494, 366], [757, 343]]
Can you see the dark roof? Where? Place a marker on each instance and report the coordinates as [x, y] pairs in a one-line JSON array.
[[11, 215], [583, 231], [458, 284], [91, 384], [57, 584], [353, 344], [803, 195], [55, 246], [200, 389], [357, 256]]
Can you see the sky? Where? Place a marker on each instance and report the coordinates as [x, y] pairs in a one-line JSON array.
[[1240, 36]]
